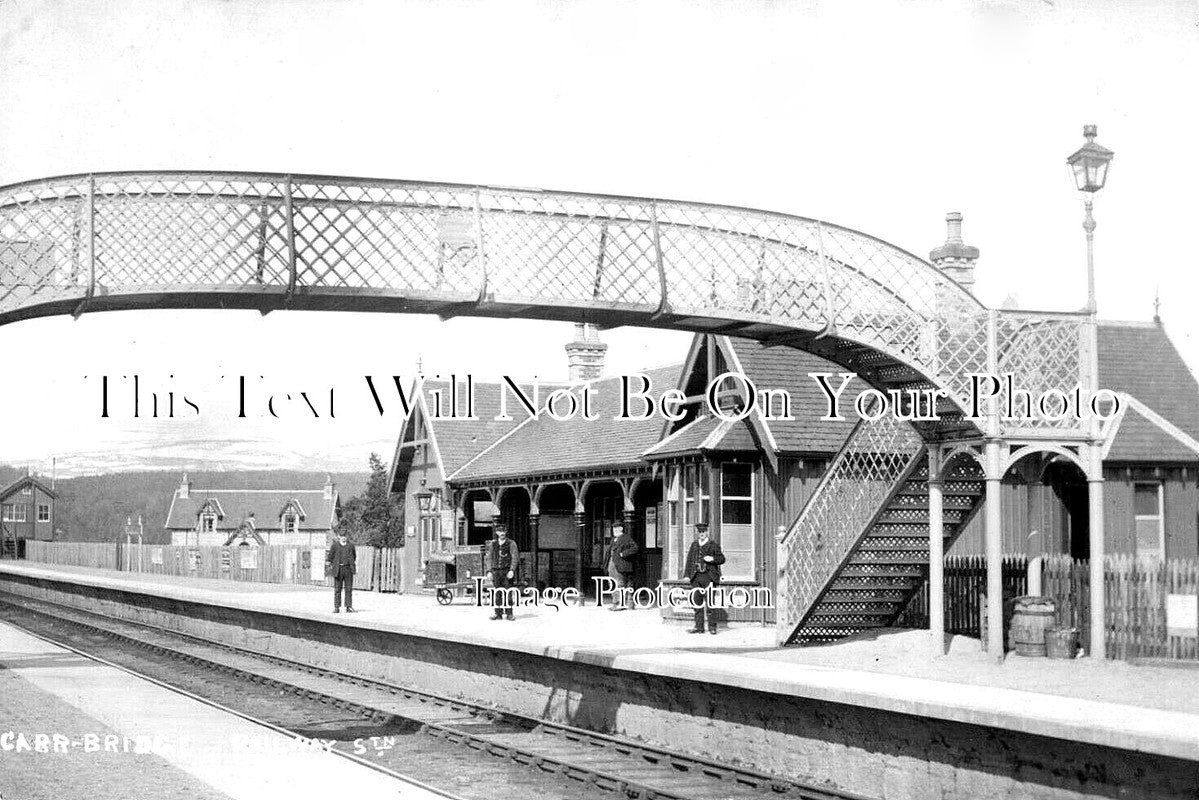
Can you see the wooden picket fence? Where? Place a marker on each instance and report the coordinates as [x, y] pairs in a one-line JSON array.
[[385, 575], [73, 554], [378, 568], [965, 592], [1137, 592], [1137, 595]]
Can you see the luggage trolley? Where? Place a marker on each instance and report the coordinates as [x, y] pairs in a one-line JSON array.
[[458, 573]]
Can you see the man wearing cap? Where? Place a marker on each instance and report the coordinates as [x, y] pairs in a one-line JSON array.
[[502, 558], [340, 561], [703, 570], [620, 569]]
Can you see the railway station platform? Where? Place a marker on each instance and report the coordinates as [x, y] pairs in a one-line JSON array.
[[74, 727], [875, 716]]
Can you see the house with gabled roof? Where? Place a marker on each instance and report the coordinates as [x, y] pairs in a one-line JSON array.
[[449, 423], [26, 512], [252, 517], [561, 485]]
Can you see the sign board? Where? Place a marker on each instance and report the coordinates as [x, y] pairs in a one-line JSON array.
[[456, 229], [249, 557], [318, 564], [289, 564], [651, 526], [193, 558], [1182, 615], [156, 556], [557, 532], [226, 559]]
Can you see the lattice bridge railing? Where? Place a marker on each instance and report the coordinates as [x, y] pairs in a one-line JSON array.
[[132, 240]]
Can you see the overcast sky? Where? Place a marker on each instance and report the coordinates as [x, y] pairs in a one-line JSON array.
[[880, 116]]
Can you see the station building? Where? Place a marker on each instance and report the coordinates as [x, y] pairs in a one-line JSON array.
[[252, 517], [562, 485]]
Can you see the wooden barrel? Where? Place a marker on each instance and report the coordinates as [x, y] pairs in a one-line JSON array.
[[1031, 617], [1061, 642]]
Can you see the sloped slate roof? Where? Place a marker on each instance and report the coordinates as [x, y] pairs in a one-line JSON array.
[[788, 368], [549, 446], [1139, 359], [1141, 439], [16, 485], [459, 440], [696, 436], [265, 504]]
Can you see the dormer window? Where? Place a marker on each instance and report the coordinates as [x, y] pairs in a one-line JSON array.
[[291, 523], [27, 489], [207, 522]]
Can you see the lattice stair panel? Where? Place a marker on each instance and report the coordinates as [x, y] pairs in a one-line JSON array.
[[878, 577], [893, 557], [894, 544]]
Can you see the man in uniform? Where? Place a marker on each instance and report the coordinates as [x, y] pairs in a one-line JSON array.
[[703, 570], [341, 561], [619, 567], [502, 558]]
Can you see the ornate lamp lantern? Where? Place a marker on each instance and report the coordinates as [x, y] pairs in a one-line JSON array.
[[1089, 164], [424, 501]]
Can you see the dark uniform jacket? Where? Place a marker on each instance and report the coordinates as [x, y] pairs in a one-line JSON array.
[[695, 563], [340, 555], [495, 559], [620, 551]]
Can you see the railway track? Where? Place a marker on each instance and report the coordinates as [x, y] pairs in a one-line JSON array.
[[550, 759]]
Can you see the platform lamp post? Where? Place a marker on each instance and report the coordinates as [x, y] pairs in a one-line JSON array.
[[424, 504], [1089, 165]]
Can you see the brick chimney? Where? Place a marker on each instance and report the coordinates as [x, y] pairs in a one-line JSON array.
[[585, 355], [185, 488], [329, 487], [955, 258]]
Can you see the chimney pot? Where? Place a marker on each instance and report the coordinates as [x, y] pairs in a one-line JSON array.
[[954, 223]]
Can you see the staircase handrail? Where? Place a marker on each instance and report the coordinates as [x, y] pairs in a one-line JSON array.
[[808, 562]]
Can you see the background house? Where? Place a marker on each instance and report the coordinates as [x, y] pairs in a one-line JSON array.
[[26, 512], [300, 517]]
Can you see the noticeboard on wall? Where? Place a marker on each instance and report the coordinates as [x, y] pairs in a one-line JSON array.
[[1182, 615], [557, 532]]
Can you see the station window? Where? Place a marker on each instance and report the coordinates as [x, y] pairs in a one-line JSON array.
[[291, 523], [26, 489], [207, 523], [1149, 521], [687, 503], [20, 512], [43, 512], [6, 514], [737, 521]]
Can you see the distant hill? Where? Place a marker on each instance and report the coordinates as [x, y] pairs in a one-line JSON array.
[[94, 507]]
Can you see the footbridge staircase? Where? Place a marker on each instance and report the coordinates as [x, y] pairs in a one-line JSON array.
[[859, 551]]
